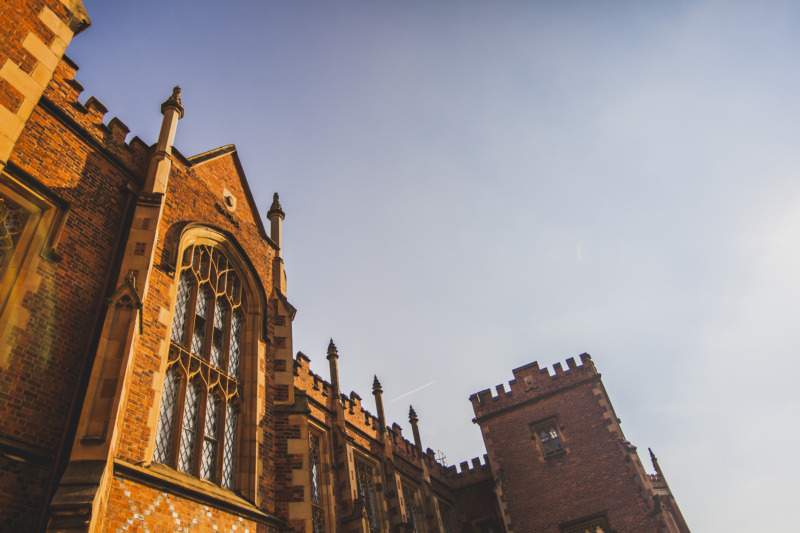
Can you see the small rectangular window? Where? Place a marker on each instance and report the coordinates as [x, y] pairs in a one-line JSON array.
[[592, 524], [548, 435]]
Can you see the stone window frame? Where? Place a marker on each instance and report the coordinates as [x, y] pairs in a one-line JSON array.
[[45, 215], [447, 512], [324, 507], [546, 447], [375, 519], [248, 396], [411, 491], [596, 523]]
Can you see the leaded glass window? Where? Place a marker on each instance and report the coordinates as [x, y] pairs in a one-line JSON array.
[[229, 457], [200, 402], [549, 437], [166, 417], [201, 313], [365, 477], [409, 497], [236, 332], [189, 429], [317, 506], [209, 457], [181, 303]]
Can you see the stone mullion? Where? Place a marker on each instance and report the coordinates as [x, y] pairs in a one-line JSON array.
[[191, 307], [177, 426], [200, 432], [226, 340], [222, 420]]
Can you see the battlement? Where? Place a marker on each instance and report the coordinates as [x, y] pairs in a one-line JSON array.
[[88, 118], [321, 390], [530, 381], [468, 472]]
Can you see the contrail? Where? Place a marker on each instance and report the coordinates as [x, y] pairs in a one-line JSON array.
[[412, 391]]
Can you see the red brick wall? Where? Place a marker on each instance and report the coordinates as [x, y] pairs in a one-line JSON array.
[[17, 19], [135, 507], [594, 475], [44, 368]]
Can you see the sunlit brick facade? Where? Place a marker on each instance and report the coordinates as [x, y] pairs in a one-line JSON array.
[[148, 380]]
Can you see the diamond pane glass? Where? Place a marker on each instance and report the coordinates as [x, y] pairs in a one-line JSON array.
[[316, 496], [189, 428], [230, 448], [220, 315], [182, 300], [201, 311], [208, 465], [366, 490], [411, 508], [236, 334], [166, 418], [318, 519], [317, 511]]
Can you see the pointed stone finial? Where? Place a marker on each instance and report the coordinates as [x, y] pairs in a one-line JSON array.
[[376, 386], [173, 101], [412, 415], [275, 208], [332, 349], [652, 455]]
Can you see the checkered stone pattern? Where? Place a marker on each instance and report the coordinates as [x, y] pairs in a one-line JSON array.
[[166, 418], [189, 428]]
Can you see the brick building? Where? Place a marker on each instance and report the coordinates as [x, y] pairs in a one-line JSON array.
[[148, 380]]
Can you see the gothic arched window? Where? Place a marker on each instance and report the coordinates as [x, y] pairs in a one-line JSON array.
[[201, 398]]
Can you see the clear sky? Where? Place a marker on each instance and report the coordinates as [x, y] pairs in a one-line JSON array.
[[471, 186]]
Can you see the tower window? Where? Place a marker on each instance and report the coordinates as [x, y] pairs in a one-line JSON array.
[[549, 437]]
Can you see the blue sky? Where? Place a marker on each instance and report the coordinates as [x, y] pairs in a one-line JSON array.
[[472, 186]]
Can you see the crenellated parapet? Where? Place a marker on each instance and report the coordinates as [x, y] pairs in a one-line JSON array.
[[88, 119], [468, 472], [531, 382]]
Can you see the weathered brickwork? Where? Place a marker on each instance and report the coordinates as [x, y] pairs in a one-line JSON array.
[[81, 388], [587, 452]]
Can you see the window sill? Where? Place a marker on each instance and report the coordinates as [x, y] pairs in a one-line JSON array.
[[559, 453], [164, 478]]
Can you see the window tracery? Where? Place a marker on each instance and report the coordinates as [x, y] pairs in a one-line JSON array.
[[201, 400]]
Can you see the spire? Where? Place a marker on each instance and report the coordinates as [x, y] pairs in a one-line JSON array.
[[275, 215], [161, 161], [412, 417], [333, 355], [174, 101], [654, 460], [275, 208], [377, 391]]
